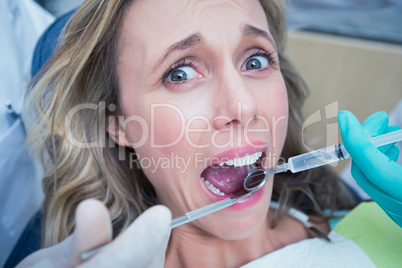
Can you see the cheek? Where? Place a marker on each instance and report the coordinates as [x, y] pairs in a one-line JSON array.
[[156, 138], [278, 99], [280, 123], [275, 109], [163, 126], [168, 125], [284, 110]]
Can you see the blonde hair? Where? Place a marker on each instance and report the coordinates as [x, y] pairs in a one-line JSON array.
[[83, 70]]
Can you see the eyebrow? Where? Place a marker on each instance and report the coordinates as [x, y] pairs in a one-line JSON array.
[[193, 40], [248, 30], [188, 42]]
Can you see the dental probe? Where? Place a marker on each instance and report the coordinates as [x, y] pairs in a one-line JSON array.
[[320, 157], [195, 214]]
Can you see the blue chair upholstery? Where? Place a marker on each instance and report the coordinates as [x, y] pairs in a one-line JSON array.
[[28, 242], [48, 42]]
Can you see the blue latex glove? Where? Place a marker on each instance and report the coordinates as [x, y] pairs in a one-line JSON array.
[[374, 169]]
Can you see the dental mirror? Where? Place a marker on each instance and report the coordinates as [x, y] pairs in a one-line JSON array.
[[255, 180]]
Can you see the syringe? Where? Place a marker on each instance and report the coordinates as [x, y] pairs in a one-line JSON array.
[[329, 155]]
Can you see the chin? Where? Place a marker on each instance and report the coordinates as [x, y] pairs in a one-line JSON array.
[[242, 228], [238, 224]]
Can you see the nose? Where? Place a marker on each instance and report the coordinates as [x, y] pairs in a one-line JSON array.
[[236, 103]]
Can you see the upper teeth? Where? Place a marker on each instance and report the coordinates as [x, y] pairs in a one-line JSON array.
[[243, 161]]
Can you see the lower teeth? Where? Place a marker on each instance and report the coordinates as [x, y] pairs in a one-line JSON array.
[[212, 188]]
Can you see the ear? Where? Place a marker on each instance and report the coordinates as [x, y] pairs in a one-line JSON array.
[[116, 132]]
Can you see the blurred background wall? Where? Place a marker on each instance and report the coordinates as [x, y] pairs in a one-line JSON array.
[[360, 75], [350, 55]]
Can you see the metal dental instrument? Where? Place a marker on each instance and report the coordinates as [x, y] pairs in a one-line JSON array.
[[196, 214], [201, 212], [318, 158]]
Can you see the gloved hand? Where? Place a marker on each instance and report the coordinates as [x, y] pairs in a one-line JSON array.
[[374, 169], [142, 244]]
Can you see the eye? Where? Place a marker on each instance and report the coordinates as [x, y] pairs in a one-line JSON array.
[[182, 74], [255, 63]]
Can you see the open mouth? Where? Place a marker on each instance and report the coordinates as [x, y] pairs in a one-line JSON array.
[[227, 178]]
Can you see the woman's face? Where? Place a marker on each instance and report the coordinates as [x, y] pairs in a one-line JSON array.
[[200, 85]]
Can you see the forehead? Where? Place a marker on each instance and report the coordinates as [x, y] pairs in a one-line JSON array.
[[159, 23]]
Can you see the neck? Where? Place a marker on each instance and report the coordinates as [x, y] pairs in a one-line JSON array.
[[189, 247]]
